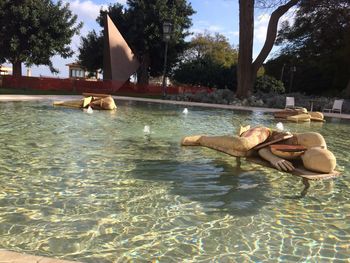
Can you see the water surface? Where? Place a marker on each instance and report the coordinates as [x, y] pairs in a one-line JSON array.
[[96, 188]]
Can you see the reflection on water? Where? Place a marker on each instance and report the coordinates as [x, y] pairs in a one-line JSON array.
[[98, 188]]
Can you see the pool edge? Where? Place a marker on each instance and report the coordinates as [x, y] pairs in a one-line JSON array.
[[15, 257], [7, 98]]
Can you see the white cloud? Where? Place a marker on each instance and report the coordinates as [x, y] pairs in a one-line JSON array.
[[215, 28], [260, 28], [289, 16], [261, 23], [206, 27], [87, 12], [233, 33], [85, 9]]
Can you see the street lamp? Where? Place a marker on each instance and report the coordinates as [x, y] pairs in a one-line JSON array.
[[282, 71], [293, 69], [167, 30]]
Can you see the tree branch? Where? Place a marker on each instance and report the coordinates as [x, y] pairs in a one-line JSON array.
[[271, 33]]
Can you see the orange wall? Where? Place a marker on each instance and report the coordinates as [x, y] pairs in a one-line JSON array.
[[80, 86]]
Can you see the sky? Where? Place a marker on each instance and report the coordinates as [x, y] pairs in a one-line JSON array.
[[213, 16]]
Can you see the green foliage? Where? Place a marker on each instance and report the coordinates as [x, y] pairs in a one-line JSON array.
[[91, 46], [215, 48], [318, 44], [32, 31], [90, 51], [206, 72], [141, 23], [208, 61], [261, 72], [268, 84]]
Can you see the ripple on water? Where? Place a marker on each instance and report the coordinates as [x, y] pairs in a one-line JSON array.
[[94, 188]]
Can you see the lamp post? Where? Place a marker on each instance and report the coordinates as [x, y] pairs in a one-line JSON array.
[[167, 30], [293, 69], [282, 72]]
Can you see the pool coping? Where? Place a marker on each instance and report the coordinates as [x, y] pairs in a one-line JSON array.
[[7, 256], [7, 98]]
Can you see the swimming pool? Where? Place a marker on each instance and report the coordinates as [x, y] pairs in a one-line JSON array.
[[97, 188]]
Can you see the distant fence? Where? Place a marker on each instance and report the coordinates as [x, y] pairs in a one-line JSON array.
[[80, 86]]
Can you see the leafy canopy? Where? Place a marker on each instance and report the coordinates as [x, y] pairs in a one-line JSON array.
[[216, 48], [32, 31], [209, 61], [318, 43], [140, 23]]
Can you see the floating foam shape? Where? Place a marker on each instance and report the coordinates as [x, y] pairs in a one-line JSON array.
[[147, 129], [317, 116], [185, 111], [280, 126], [89, 110], [302, 117]]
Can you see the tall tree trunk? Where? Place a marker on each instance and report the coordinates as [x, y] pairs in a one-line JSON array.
[[246, 72], [17, 68], [142, 72], [271, 34], [246, 34]]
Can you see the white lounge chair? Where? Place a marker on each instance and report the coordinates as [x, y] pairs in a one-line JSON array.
[[337, 106], [290, 102]]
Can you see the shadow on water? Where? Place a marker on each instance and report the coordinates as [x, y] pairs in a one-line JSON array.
[[220, 186]]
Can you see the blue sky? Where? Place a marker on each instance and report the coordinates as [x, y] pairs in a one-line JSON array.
[[219, 16]]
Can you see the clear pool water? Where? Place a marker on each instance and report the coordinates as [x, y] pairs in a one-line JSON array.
[[96, 188]]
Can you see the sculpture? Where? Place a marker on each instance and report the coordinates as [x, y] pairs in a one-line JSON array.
[[315, 157], [299, 115], [119, 62], [95, 101]]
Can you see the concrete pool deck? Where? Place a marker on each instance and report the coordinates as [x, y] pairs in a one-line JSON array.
[[14, 257], [4, 98]]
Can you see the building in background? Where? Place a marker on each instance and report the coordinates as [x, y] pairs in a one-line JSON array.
[[5, 70], [76, 71]]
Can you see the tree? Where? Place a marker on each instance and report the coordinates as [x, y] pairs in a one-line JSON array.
[[91, 46], [206, 72], [319, 44], [247, 69], [209, 61], [90, 52], [141, 26], [216, 48], [32, 31]]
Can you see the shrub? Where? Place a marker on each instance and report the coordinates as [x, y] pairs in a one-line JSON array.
[[268, 84], [206, 72]]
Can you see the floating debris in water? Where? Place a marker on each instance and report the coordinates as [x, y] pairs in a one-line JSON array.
[[147, 129], [280, 126], [185, 111], [89, 110]]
